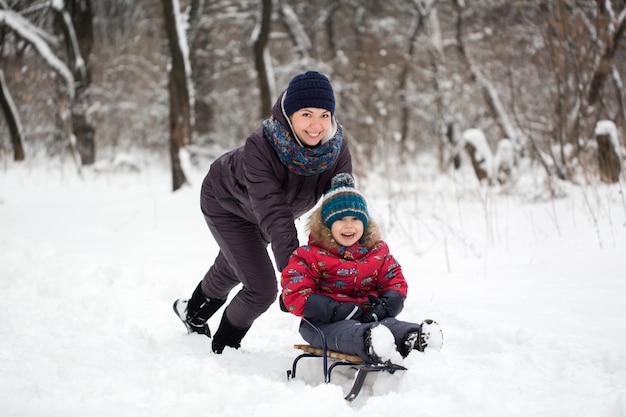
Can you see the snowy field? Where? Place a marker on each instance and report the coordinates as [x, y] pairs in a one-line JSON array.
[[531, 297]]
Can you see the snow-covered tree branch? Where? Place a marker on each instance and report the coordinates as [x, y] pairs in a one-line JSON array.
[[32, 35]]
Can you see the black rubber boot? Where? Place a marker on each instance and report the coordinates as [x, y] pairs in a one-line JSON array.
[[196, 311], [228, 335]]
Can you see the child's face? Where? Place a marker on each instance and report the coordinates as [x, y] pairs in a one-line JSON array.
[[347, 231], [311, 124]]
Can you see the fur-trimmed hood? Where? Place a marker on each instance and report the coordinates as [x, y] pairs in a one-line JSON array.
[[321, 235]]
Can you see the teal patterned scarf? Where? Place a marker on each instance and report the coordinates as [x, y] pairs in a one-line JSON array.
[[300, 159]]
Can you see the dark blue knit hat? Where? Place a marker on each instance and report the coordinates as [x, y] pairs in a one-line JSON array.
[[343, 200], [310, 89]]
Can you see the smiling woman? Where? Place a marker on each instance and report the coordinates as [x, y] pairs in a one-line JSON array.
[[252, 196]]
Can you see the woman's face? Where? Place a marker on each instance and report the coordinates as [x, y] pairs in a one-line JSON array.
[[311, 125]]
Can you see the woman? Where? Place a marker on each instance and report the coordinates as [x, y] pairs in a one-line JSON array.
[[251, 197]]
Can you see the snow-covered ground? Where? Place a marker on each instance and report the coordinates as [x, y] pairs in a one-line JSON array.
[[531, 298]]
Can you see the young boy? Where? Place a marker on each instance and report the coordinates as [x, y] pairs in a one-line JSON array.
[[348, 284]]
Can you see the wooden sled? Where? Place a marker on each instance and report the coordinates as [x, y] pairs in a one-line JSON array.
[[341, 359]]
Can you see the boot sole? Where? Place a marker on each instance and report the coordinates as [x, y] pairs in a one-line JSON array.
[[181, 317]]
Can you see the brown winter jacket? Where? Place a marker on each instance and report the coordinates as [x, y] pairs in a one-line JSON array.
[[252, 183]]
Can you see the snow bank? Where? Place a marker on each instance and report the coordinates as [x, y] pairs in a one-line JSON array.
[[529, 296]]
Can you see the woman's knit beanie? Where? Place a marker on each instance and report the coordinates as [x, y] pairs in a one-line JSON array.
[[310, 89], [342, 200]]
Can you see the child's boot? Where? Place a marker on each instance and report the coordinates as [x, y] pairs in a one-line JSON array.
[[429, 336], [195, 312]]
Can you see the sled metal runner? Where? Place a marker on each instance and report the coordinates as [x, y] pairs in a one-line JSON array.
[[341, 359]]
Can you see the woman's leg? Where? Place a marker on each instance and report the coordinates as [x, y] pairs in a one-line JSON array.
[[243, 258]]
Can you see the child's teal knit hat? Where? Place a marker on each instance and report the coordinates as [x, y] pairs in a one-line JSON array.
[[342, 200]]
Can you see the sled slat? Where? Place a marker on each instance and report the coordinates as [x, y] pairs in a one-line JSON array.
[[330, 353]]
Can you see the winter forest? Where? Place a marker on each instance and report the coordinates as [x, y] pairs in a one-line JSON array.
[[489, 83], [488, 136]]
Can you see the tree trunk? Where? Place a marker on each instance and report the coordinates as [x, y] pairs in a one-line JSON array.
[[260, 45], [12, 118], [477, 162], [72, 19], [85, 134], [608, 159], [77, 18], [180, 108], [82, 19], [404, 76]]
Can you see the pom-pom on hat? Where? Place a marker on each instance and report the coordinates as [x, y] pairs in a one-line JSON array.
[[310, 89], [342, 200]]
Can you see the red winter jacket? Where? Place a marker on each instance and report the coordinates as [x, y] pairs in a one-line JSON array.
[[345, 274]]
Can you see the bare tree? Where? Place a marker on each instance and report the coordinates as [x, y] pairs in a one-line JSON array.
[[568, 68], [580, 51], [262, 61], [492, 98], [609, 33], [406, 72], [296, 30], [180, 103], [497, 108], [42, 43], [196, 9], [76, 18], [13, 119]]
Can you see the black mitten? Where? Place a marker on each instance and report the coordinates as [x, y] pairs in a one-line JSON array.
[[389, 304], [377, 310], [347, 311], [323, 308], [393, 302]]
